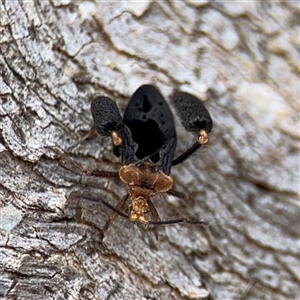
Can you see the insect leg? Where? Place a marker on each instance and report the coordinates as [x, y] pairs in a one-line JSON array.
[[153, 210], [116, 211], [178, 194], [195, 118], [108, 121], [67, 160], [179, 221], [155, 216]]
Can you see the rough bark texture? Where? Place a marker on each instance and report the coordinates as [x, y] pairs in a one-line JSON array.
[[241, 57]]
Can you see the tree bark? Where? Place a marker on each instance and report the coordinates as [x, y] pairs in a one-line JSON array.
[[241, 58]]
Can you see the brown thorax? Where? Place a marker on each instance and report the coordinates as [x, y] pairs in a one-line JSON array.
[[143, 181]]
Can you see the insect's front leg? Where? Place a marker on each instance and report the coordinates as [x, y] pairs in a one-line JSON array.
[[117, 211], [79, 195], [195, 118]]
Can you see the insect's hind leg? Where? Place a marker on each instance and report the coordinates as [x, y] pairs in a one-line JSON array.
[[195, 118]]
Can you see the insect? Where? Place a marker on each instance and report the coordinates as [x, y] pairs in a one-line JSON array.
[[145, 142]]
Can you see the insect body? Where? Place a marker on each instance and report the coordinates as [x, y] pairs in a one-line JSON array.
[[145, 141]]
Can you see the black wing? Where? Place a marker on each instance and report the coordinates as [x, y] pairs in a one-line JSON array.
[[150, 121]]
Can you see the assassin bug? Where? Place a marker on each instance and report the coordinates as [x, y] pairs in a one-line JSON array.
[[145, 142]]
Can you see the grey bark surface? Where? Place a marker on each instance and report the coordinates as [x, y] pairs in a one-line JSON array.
[[240, 58]]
